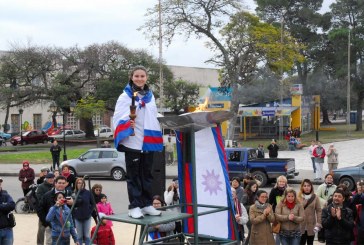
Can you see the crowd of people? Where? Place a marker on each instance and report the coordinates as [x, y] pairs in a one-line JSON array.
[[289, 218]]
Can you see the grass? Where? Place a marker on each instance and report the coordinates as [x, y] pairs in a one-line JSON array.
[[38, 156]]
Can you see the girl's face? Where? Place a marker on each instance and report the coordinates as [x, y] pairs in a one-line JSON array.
[[157, 203], [139, 78], [290, 197], [281, 183], [254, 188], [79, 185], [306, 188], [235, 183], [104, 199]]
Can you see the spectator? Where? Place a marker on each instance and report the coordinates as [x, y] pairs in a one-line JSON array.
[[290, 213], [312, 206], [42, 174], [358, 201], [338, 221], [105, 235], [171, 197], [105, 207], [261, 216], [6, 226], [48, 200], [106, 144], [56, 173], [241, 215], [325, 190], [273, 149], [69, 176], [319, 154], [236, 184], [310, 152], [249, 198], [82, 212], [161, 230], [57, 217], [260, 151], [26, 176], [42, 189], [169, 151], [96, 191], [56, 152], [332, 158]]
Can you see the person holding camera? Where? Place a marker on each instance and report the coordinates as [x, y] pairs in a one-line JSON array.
[[48, 200], [6, 226], [171, 197], [57, 216]]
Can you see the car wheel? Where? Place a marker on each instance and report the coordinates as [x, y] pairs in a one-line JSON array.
[[21, 207], [72, 171], [14, 144], [349, 182], [118, 174], [261, 176]]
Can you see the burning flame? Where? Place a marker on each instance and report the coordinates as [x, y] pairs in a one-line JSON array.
[[203, 106], [135, 94]]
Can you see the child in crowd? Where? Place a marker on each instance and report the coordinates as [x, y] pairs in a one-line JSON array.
[[57, 216], [105, 235], [105, 207]]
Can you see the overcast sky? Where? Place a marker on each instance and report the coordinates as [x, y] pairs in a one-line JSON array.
[[83, 22]]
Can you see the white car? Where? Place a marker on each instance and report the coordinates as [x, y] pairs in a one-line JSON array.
[[69, 134], [105, 132]]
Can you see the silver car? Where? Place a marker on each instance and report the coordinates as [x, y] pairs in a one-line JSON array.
[[107, 162]]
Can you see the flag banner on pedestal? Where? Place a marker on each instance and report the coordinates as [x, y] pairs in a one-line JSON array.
[[212, 182]]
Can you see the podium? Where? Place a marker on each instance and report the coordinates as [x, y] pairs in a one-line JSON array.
[[203, 129]]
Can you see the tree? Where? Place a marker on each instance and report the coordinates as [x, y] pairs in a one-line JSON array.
[[180, 94], [86, 109], [206, 18]]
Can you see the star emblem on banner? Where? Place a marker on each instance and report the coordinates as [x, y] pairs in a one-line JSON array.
[[211, 182]]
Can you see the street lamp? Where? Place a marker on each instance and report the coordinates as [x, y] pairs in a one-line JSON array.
[[21, 123], [54, 108]]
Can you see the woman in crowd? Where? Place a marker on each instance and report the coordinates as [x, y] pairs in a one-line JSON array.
[[249, 197], [161, 230], [82, 212], [236, 184], [311, 205], [261, 216], [241, 215], [290, 214], [358, 201], [69, 176], [96, 191]]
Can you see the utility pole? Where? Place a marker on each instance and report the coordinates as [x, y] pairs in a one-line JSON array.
[[348, 90], [281, 83], [161, 94]]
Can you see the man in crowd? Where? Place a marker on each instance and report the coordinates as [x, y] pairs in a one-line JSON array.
[[48, 200], [338, 221], [42, 189], [273, 149], [169, 151], [6, 206], [56, 152]]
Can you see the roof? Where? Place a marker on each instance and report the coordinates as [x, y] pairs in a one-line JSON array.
[[266, 111]]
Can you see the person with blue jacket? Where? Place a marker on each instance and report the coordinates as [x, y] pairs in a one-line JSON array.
[[7, 205], [83, 211], [57, 216]]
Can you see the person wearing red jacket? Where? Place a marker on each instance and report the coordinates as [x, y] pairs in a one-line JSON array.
[[26, 177], [105, 235], [319, 154]]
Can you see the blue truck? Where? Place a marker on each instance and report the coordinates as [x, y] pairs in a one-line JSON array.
[[242, 161]]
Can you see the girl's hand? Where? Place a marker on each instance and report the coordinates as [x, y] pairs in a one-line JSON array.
[[132, 123]]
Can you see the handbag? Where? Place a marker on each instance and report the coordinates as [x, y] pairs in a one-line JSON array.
[[11, 220], [276, 227]]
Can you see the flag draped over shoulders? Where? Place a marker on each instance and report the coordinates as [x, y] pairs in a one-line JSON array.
[[151, 136]]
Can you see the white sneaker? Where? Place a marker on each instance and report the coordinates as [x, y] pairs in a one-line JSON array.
[[150, 210], [135, 213]]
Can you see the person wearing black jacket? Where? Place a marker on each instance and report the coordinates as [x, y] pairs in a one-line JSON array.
[[338, 221], [48, 200], [56, 152], [7, 205], [273, 149]]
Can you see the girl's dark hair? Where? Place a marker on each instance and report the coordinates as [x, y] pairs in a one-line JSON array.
[[96, 186], [260, 192], [159, 198], [57, 194]]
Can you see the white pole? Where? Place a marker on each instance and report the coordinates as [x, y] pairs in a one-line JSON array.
[[348, 90]]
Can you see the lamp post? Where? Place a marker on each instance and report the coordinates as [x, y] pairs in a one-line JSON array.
[[54, 108], [21, 123], [348, 90]]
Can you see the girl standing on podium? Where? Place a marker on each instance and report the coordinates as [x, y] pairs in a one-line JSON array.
[[138, 138]]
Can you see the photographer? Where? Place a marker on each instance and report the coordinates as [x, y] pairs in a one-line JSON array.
[[171, 197]]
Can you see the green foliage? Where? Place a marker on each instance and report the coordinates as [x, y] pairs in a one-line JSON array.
[[88, 107]]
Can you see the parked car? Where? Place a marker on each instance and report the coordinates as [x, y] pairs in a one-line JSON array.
[[5, 136], [244, 160], [69, 134], [105, 132], [58, 130], [349, 175], [30, 137], [107, 162]]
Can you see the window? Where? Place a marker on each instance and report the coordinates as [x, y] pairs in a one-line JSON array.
[[15, 123], [234, 156], [37, 121], [91, 155], [107, 154]]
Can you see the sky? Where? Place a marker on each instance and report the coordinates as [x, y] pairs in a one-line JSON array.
[[83, 22]]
